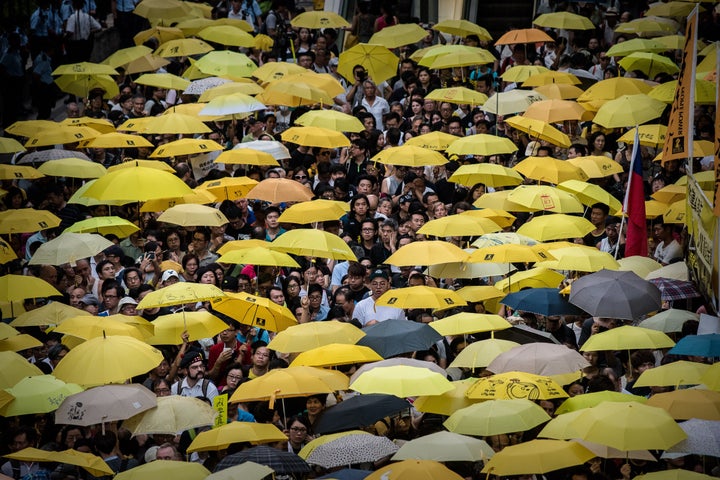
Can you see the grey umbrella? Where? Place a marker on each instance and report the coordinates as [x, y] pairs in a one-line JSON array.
[[42, 156], [615, 294], [281, 462], [703, 438], [351, 449]]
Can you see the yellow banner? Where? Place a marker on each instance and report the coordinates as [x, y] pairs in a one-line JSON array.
[[678, 141], [220, 403], [702, 225], [716, 210]]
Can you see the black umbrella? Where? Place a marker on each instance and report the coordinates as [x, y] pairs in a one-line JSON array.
[[359, 411], [393, 337], [615, 294], [284, 463], [523, 334], [543, 301]]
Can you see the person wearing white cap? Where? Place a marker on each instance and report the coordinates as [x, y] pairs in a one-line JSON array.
[[127, 306], [169, 277]]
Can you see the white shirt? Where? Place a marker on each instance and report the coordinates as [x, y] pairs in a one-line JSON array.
[[80, 24], [366, 311], [664, 254], [184, 390], [379, 108]]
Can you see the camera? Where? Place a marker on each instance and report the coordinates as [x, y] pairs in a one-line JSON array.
[[362, 76]]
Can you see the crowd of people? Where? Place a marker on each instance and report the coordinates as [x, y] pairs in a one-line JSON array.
[[387, 206]]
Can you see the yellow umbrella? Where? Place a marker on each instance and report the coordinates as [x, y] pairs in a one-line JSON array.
[[414, 470], [675, 212], [28, 128], [10, 145], [540, 130], [670, 194], [613, 88], [514, 101], [545, 198], [126, 55], [534, 278], [171, 415], [482, 144], [103, 354], [69, 248], [195, 197], [711, 379], [427, 56], [242, 244], [511, 385], [462, 28], [89, 462], [564, 20], [380, 63], [401, 381], [461, 95], [636, 45], [313, 243], [116, 140], [556, 111], [476, 56], [263, 42], [185, 146], [53, 313], [649, 63], [281, 92], [13, 172], [175, 123], [255, 311], [247, 88], [81, 85], [559, 91], [246, 156], [596, 166], [169, 328], [396, 36], [6, 252], [84, 68], [135, 124], [315, 137], [588, 400], [314, 211], [290, 382], [673, 375], [226, 64], [628, 426], [92, 327], [276, 70], [72, 168], [420, 297], [179, 294], [137, 184], [233, 104], [163, 80], [537, 456], [469, 270], [480, 354], [627, 338], [236, 432], [99, 124], [649, 135], [241, 24], [146, 63], [520, 73], [226, 35], [276, 190], [459, 226], [671, 9], [510, 253], [479, 293], [39, 394], [496, 417], [229, 188], [61, 135], [409, 156], [104, 225], [319, 19], [161, 9], [706, 179], [16, 367], [501, 217], [309, 336], [448, 402], [580, 258], [336, 354], [426, 253], [649, 26], [19, 343], [672, 42], [258, 256], [590, 194], [26, 220], [676, 474], [551, 77], [330, 119], [548, 169]]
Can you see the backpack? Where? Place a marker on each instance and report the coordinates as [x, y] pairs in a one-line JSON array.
[[263, 27], [205, 384]]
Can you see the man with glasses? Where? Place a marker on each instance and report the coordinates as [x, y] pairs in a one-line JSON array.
[[366, 312], [111, 292], [194, 384], [201, 246], [225, 352], [312, 305]]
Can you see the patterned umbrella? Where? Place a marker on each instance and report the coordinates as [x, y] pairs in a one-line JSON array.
[[671, 289], [351, 449], [284, 463], [197, 87], [703, 438], [52, 154]]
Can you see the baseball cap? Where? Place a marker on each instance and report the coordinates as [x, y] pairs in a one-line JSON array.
[[169, 274], [126, 301], [90, 299], [379, 272]]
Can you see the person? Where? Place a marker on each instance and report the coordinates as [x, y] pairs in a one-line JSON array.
[[260, 360], [598, 214], [20, 438], [314, 407], [248, 10], [298, 428], [225, 352], [108, 448], [272, 225], [78, 29], [374, 104], [201, 247], [366, 312], [613, 239], [194, 384], [555, 325], [168, 451], [313, 307], [668, 249], [233, 378]]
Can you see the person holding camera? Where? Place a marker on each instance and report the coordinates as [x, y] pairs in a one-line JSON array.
[[354, 94], [247, 10]]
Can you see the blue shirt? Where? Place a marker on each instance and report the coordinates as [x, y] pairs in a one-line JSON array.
[[42, 67], [249, 11], [66, 9], [12, 63], [44, 23], [126, 6]]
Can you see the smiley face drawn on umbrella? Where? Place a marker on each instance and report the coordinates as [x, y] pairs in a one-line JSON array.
[[517, 389]]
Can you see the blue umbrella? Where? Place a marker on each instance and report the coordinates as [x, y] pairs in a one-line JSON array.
[[543, 301], [393, 337], [698, 345]]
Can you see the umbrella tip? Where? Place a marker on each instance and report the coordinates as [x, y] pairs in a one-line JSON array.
[[104, 336]]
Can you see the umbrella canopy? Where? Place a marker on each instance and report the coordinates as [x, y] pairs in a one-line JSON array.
[[671, 320], [315, 137], [432, 252], [481, 144], [351, 449], [520, 73], [414, 470], [26, 220], [178, 470], [447, 403], [445, 447], [90, 407], [495, 417], [420, 297], [589, 400], [307, 336], [632, 296], [481, 354], [613, 88], [330, 119], [380, 63], [16, 368], [596, 166], [72, 168], [627, 338], [232, 104], [580, 258], [276, 190], [39, 394], [545, 198], [11, 172], [688, 403], [589, 193], [458, 225], [672, 289], [236, 432], [702, 438], [255, 311], [258, 256], [248, 88], [649, 63], [137, 184], [401, 381], [104, 226], [314, 211], [171, 415], [409, 156], [226, 35], [462, 95], [489, 174], [392, 337], [556, 227], [398, 35], [514, 101], [103, 353], [319, 19], [246, 156], [359, 411], [85, 328], [538, 129], [283, 463], [313, 243], [462, 28], [290, 382], [168, 329], [629, 111], [539, 359], [93, 464], [246, 470], [180, 293], [523, 35], [564, 20], [543, 301], [628, 426], [698, 345], [226, 64], [537, 456], [21, 287], [336, 354], [69, 248], [188, 215], [511, 385], [464, 323]]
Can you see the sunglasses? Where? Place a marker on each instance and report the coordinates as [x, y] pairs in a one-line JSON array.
[[300, 177]]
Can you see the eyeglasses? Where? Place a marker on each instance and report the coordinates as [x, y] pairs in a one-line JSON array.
[[300, 177], [298, 429], [200, 239], [293, 286], [235, 377], [315, 297]]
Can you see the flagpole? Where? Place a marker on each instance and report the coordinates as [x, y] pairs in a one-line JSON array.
[[636, 146]]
